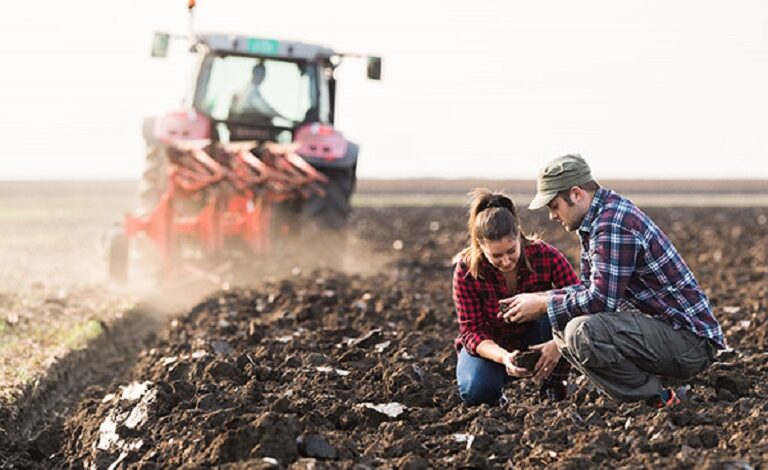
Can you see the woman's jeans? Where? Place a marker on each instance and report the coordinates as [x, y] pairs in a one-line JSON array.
[[481, 380]]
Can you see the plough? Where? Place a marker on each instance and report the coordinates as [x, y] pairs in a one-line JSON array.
[[216, 193]]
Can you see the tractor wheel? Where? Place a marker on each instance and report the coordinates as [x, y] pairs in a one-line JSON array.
[[324, 220], [118, 256], [332, 211], [154, 178]]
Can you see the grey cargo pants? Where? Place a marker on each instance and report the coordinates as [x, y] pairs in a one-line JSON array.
[[625, 354]]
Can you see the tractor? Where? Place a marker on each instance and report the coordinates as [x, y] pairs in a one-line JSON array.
[[252, 157]]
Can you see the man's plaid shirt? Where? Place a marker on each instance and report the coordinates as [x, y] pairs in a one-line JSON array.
[[477, 300], [628, 263]]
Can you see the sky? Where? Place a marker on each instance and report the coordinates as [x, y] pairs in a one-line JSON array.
[[471, 88]]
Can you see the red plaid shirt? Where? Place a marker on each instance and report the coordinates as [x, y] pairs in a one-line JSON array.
[[477, 300]]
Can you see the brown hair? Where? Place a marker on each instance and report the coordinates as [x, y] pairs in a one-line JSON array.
[[492, 216], [590, 186]]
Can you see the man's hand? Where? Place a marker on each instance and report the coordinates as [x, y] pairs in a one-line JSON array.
[[548, 360], [523, 307], [508, 359]]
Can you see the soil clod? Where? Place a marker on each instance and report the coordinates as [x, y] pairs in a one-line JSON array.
[[528, 359]]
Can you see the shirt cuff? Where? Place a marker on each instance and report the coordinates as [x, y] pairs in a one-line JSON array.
[[566, 290], [556, 311]]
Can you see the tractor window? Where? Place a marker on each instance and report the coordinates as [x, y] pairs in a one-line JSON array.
[[261, 91]]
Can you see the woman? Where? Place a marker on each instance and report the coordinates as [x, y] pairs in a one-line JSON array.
[[499, 262]]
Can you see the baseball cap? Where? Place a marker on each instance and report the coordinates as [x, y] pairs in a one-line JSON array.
[[560, 174]]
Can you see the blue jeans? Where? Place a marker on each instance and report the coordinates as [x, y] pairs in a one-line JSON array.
[[481, 380]]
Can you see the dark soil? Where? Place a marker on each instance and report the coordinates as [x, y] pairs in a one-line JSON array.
[[31, 428], [332, 370], [527, 359]]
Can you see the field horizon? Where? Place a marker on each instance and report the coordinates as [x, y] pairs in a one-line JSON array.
[[108, 196], [748, 185]]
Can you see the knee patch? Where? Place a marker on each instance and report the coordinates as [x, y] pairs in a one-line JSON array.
[[585, 338], [576, 334]]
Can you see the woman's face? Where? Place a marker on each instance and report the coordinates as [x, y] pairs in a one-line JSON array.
[[502, 254]]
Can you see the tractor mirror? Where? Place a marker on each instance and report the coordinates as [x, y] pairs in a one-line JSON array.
[[374, 68], [160, 44]]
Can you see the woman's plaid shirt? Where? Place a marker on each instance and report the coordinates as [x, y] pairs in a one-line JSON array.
[[477, 300], [628, 263]]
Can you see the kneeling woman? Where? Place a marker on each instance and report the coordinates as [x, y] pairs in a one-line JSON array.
[[499, 262]]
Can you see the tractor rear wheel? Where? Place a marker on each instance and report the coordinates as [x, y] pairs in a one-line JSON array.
[[315, 229], [332, 211], [325, 219]]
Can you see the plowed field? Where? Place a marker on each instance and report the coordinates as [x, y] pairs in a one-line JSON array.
[[324, 368]]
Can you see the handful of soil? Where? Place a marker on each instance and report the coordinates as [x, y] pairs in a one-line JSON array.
[[527, 359]]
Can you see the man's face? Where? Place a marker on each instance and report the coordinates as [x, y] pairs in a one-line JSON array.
[[569, 215]]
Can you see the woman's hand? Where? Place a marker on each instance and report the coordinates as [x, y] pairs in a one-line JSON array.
[[548, 360], [508, 359], [523, 307]]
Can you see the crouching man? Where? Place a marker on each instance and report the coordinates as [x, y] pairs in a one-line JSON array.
[[639, 314]]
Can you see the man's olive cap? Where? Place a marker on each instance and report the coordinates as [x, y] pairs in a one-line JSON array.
[[559, 175]]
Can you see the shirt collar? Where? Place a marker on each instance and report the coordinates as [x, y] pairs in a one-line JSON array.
[[594, 209]]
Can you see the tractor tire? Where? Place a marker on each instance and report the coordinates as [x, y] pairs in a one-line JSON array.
[[324, 221], [118, 256], [314, 230], [332, 211], [154, 178]]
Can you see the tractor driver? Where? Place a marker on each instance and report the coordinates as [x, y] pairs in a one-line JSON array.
[[251, 104]]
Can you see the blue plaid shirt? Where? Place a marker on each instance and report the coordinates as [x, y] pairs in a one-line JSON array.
[[628, 263]]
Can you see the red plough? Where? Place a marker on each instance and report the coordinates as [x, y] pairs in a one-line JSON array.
[[219, 192]]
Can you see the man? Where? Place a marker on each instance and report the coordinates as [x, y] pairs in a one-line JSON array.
[[251, 102], [249, 106], [638, 314]]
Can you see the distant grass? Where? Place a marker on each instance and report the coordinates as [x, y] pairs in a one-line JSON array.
[[643, 200], [628, 186], [79, 335], [28, 351], [421, 200], [66, 207]]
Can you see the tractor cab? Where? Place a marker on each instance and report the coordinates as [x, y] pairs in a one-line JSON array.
[[263, 89]]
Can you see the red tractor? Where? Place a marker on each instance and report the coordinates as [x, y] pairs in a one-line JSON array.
[[254, 156]]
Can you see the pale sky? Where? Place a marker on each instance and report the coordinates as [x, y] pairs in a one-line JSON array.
[[471, 88]]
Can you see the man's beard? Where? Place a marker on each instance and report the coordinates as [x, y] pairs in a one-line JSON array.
[[574, 226]]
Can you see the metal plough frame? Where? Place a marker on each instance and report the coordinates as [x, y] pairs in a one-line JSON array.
[[238, 183]]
